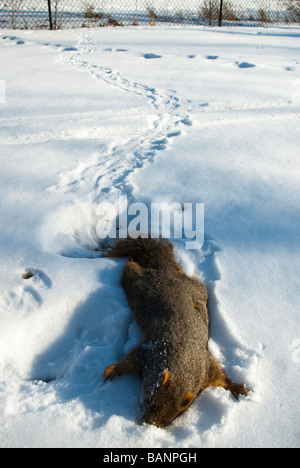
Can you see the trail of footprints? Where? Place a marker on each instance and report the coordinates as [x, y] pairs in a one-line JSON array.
[[172, 111], [112, 169], [172, 117]]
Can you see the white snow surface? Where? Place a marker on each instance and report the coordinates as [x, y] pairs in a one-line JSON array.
[[180, 115]]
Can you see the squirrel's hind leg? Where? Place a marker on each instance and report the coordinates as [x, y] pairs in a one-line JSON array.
[[218, 378], [128, 365]]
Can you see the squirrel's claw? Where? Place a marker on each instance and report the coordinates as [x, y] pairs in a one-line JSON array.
[[238, 389], [110, 372]]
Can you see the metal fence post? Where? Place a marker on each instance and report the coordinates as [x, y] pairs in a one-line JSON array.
[[26, 13], [50, 14], [221, 13]]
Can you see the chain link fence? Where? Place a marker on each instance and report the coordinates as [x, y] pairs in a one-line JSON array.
[[57, 14]]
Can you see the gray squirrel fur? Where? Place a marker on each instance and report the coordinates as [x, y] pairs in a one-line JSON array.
[[170, 307]]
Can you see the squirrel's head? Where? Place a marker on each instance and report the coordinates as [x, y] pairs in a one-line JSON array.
[[165, 401]]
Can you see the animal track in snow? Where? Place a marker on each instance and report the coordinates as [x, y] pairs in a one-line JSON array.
[[27, 297], [38, 278], [104, 175], [14, 40], [245, 65], [151, 56], [110, 172]]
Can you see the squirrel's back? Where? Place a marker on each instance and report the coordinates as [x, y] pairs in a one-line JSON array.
[[147, 252], [158, 291]]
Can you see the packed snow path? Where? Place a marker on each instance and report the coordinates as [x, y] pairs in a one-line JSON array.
[[216, 113]]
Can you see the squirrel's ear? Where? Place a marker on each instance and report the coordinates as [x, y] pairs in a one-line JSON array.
[[166, 376]]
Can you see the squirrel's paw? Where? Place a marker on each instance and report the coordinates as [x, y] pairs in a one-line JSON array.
[[238, 389], [110, 372]]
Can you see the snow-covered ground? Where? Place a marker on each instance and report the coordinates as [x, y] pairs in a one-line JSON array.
[[161, 115]]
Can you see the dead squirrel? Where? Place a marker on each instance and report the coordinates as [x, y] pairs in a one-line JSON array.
[[171, 311]]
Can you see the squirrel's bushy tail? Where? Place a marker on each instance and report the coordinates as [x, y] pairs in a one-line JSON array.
[[148, 253]]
